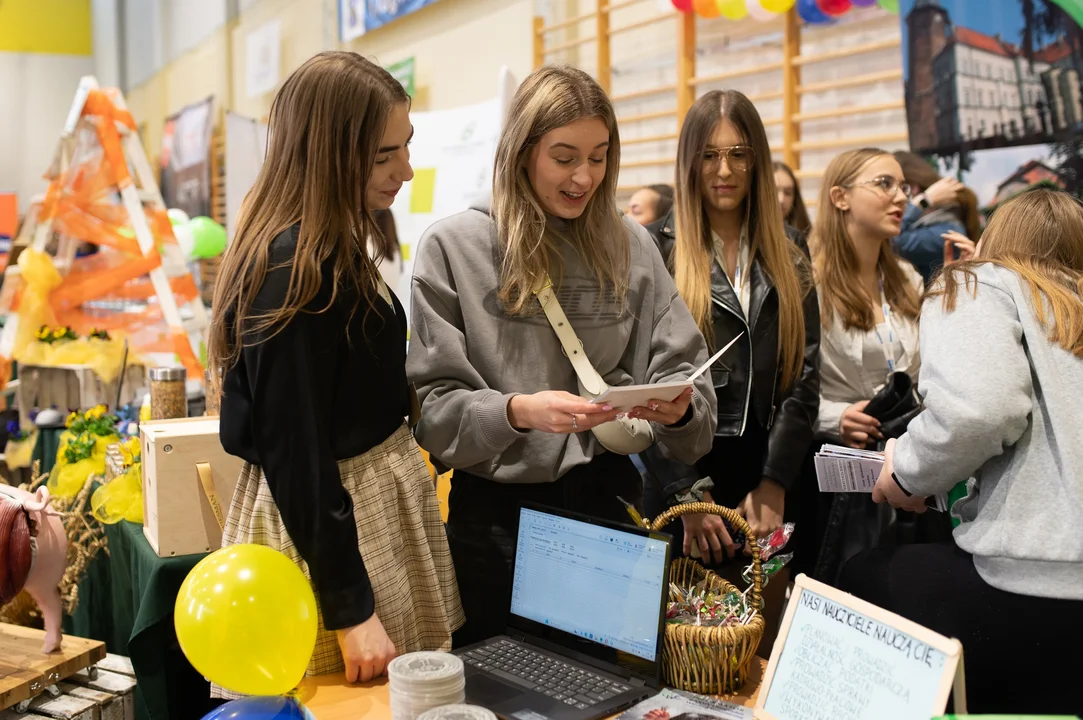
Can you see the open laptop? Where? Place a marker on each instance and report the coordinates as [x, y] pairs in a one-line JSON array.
[[587, 619]]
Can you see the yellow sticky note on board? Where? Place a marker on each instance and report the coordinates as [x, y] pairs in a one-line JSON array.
[[422, 189]]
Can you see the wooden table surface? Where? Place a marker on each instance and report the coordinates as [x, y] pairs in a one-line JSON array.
[[330, 698], [25, 670]]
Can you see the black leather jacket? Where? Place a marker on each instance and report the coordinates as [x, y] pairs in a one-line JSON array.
[[789, 417]]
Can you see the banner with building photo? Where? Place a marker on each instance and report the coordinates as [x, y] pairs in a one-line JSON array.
[[186, 159], [993, 92]]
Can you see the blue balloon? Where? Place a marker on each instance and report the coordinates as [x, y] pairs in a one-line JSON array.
[[811, 13], [259, 708]]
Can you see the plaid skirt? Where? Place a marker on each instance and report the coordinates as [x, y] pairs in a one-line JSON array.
[[402, 541]]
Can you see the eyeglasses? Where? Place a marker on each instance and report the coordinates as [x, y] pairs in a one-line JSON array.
[[739, 158], [886, 184]]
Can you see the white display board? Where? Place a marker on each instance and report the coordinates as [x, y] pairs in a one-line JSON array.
[[840, 658], [452, 156], [246, 145]]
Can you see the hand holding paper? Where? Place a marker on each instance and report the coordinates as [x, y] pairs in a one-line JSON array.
[[631, 398], [842, 469], [889, 491]]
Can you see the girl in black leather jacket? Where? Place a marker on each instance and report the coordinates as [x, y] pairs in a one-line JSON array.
[[741, 272]]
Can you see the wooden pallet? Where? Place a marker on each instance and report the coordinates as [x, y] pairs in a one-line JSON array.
[[26, 672]]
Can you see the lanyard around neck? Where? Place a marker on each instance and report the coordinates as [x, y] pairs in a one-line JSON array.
[[889, 342]]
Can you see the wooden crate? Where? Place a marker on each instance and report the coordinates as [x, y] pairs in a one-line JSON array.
[[106, 692], [25, 671], [178, 518], [72, 387]]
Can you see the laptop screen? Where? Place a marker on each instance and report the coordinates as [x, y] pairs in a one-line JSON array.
[[598, 584]]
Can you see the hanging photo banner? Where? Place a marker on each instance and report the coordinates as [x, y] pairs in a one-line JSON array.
[[351, 19], [185, 159], [382, 12], [993, 92], [356, 17]]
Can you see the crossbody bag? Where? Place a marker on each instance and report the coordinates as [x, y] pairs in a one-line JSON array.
[[624, 436]]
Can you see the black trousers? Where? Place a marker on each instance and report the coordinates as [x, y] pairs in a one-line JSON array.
[[483, 524], [1017, 649]]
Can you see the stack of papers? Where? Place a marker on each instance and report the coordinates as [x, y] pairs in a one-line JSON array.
[[843, 469]]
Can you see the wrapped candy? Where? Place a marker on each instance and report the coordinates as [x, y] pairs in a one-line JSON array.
[[775, 541], [770, 568], [703, 607]]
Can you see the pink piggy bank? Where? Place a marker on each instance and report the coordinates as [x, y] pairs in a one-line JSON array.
[[33, 555]]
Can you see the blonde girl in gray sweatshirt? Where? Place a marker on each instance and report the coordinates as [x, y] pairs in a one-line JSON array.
[[1002, 382], [501, 402]]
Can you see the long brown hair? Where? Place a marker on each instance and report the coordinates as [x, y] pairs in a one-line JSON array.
[[798, 218], [387, 239], [325, 128], [692, 251], [920, 174], [549, 98], [835, 257], [1038, 235]]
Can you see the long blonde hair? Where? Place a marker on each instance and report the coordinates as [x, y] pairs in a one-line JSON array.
[[835, 257], [692, 252], [325, 128], [1038, 235], [549, 98]]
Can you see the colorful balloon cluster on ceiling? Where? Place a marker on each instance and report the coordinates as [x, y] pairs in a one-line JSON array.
[[813, 12]]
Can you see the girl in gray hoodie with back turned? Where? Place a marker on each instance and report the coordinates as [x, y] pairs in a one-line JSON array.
[[1002, 381], [501, 401]]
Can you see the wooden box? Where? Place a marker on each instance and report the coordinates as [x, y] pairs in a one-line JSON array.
[[72, 387], [180, 458]]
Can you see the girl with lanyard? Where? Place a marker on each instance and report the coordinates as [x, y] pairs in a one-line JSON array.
[[523, 306], [746, 277], [312, 347], [869, 305]]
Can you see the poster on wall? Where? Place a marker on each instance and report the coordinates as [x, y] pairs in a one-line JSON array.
[[356, 17], [452, 156], [994, 94], [246, 146], [263, 49], [185, 159]]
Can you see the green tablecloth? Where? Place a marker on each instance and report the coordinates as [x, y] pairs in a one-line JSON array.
[[46, 447], [127, 601]]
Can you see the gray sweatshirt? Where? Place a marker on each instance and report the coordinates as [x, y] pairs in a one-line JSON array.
[[1004, 406], [468, 357]]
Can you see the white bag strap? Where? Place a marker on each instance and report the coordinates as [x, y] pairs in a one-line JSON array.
[[573, 346]]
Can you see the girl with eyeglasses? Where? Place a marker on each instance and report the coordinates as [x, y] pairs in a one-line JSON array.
[[869, 305], [744, 275]]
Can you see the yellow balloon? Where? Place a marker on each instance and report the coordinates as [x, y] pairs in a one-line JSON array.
[[776, 6], [733, 9], [246, 620]]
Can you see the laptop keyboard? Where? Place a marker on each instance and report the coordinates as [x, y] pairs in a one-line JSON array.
[[545, 674]]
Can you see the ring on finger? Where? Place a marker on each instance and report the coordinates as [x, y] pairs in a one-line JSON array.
[[575, 423]]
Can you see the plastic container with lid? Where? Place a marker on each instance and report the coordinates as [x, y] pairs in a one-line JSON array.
[[421, 681]]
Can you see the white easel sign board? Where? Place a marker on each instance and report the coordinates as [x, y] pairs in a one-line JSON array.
[[838, 657]]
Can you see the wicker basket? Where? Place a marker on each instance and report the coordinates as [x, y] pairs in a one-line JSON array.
[[710, 660]]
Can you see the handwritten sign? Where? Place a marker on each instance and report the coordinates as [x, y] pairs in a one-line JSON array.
[[840, 658]]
